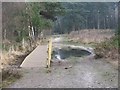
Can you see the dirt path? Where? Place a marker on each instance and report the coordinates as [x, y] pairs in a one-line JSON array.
[[82, 72]]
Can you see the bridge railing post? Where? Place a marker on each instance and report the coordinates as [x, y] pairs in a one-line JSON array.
[[49, 52]]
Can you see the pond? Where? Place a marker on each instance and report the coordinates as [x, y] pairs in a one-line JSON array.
[[66, 52]]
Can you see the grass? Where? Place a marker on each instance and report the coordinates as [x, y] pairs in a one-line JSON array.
[[112, 43], [9, 76], [77, 43], [116, 41], [108, 48], [0, 46]]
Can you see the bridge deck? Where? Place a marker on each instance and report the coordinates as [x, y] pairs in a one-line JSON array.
[[37, 58]]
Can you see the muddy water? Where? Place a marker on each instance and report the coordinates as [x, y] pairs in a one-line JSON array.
[[65, 53]]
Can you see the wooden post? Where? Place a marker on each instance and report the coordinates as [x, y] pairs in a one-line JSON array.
[[49, 53]]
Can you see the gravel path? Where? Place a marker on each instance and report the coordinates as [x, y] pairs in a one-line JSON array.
[[82, 73]]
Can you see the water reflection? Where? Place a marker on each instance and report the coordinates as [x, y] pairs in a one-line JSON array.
[[64, 53]]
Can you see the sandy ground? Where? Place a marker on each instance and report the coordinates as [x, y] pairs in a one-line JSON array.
[[82, 72]]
